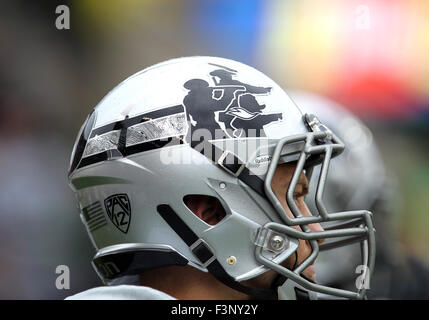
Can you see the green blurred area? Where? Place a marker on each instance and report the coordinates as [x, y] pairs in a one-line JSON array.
[[406, 154]]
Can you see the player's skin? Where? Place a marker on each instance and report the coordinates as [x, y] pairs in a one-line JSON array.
[[188, 283]]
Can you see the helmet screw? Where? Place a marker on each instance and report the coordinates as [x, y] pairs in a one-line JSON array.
[[277, 242], [231, 260], [222, 185]]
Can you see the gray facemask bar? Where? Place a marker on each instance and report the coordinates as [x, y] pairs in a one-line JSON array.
[[364, 232]]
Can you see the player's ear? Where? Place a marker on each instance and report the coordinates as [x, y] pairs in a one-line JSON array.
[[207, 208]]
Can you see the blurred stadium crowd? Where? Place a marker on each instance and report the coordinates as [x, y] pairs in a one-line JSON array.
[[369, 56]]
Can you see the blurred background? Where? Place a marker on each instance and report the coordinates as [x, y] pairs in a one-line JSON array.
[[370, 56]]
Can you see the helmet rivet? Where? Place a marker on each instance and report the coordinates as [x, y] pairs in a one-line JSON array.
[[222, 185], [231, 260], [277, 242]]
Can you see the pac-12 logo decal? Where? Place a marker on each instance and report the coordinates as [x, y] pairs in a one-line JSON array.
[[118, 209], [229, 104]]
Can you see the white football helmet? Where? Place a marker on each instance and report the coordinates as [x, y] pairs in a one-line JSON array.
[[205, 126]]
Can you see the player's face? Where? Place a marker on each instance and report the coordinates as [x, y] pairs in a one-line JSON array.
[[280, 183]]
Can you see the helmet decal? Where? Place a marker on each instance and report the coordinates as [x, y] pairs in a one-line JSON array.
[[228, 104], [118, 209], [94, 216]]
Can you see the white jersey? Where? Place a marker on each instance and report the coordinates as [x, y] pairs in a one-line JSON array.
[[121, 292]]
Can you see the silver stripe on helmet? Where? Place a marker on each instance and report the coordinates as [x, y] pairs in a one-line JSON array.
[[169, 126], [101, 143]]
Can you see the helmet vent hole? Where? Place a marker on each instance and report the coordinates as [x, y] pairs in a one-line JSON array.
[[207, 208]]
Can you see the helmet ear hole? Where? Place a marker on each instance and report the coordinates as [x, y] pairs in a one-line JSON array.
[[207, 208]]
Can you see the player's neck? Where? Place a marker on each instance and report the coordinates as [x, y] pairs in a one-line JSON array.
[[188, 283]]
